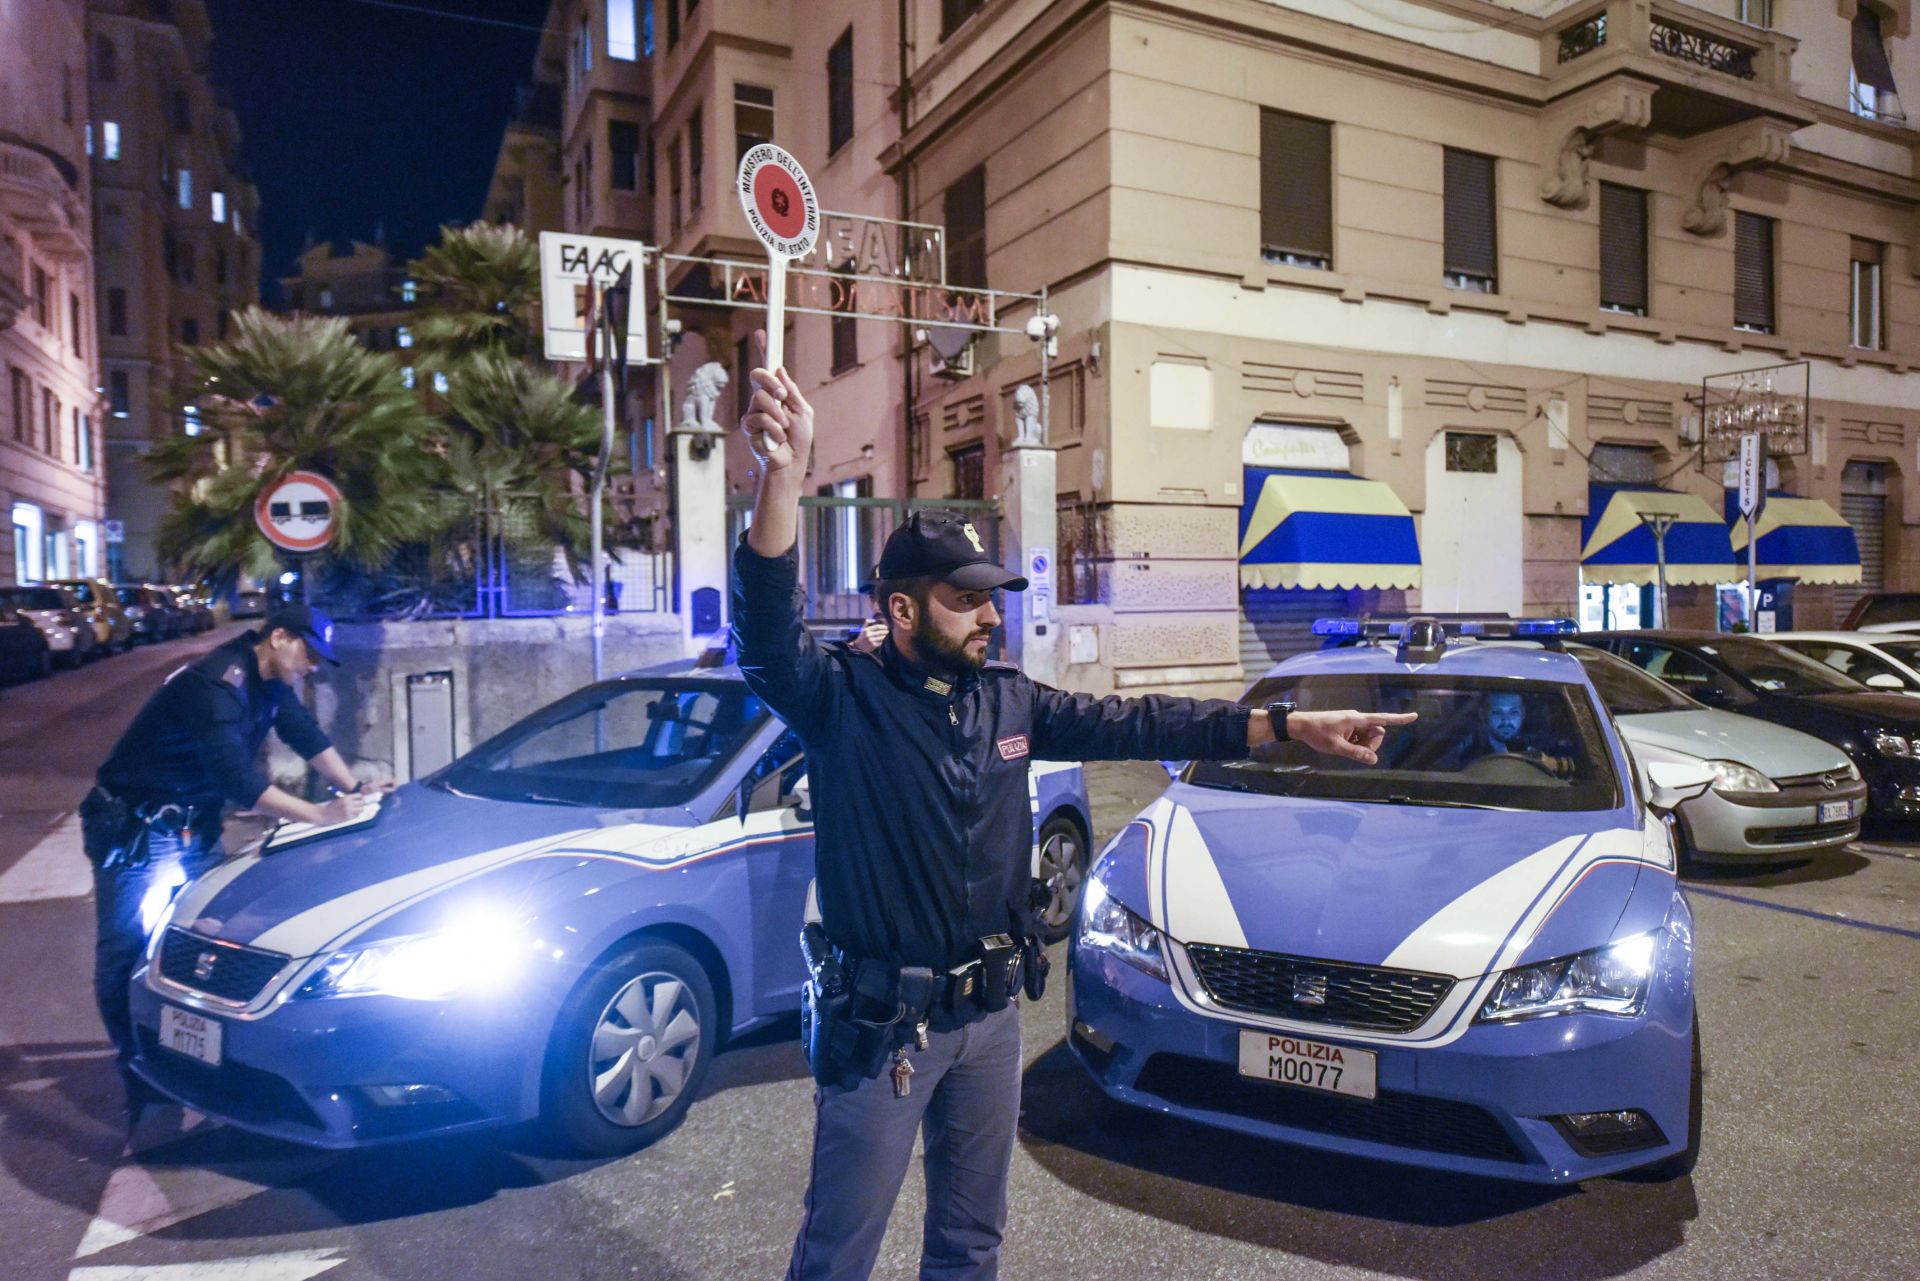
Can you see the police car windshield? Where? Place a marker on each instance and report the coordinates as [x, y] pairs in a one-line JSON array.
[[1480, 741], [618, 745]]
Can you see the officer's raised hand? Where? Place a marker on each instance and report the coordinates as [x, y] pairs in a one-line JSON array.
[[778, 421]]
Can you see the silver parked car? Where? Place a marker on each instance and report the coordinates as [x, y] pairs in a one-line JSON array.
[[1879, 660], [1777, 794]]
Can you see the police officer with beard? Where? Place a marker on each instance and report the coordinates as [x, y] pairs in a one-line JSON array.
[[152, 822], [917, 757]]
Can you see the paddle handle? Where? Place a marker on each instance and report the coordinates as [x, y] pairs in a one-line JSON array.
[[776, 310]]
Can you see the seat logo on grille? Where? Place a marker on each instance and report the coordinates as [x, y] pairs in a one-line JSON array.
[[203, 966], [1309, 989]]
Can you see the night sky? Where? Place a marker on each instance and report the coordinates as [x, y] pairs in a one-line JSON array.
[[355, 115]]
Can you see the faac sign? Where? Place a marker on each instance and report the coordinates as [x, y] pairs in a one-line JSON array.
[[567, 263]]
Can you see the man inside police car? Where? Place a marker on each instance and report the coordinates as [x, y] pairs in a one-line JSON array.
[[917, 757], [152, 821]]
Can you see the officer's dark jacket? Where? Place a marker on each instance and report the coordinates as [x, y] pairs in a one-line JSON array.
[[197, 740], [923, 826]]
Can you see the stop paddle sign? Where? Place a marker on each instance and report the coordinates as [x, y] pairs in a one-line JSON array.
[[782, 210]]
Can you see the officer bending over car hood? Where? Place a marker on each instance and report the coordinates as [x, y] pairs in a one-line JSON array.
[[917, 758]]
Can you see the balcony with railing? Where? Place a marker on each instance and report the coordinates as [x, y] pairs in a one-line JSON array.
[[40, 192]]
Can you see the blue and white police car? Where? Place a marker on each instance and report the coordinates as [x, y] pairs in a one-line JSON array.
[[1472, 956], [563, 925]]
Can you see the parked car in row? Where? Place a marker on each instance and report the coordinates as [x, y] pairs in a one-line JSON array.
[[1877, 611], [24, 655], [68, 632], [1777, 793], [1472, 956], [1878, 730], [95, 598], [1878, 660], [566, 923], [196, 611]]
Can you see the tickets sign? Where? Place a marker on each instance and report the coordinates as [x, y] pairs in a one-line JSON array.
[[300, 512], [779, 201]]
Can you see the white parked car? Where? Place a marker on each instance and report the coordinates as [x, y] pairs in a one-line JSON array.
[[1880, 659]]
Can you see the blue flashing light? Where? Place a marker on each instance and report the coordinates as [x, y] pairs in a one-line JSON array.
[[1545, 627], [1336, 627]]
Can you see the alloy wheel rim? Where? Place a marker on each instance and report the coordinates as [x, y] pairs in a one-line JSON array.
[[645, 1044], [1060, 869]]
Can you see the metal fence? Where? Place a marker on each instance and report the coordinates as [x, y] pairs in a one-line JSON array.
[[840, 543], [1083, 553], [490, 562]]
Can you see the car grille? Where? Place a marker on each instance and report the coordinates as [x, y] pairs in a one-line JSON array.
[[234, 973], [1396, 1119], [1834, 832], [1287, 987], [1832, 780], [233, 1090]]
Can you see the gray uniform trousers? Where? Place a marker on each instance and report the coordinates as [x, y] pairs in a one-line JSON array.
[[966, 1092]]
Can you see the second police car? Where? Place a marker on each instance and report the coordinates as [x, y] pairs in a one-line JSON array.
[[564, 925], [1472, 956]]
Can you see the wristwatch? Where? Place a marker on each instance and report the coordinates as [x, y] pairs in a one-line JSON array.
[[1277, 714]]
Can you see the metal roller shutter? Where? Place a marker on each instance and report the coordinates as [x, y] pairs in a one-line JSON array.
[[1867, 513], [1277, 623]]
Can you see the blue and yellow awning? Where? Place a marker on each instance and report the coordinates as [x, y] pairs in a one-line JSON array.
[[1616, 546], [1800, 538], [1324, 529]]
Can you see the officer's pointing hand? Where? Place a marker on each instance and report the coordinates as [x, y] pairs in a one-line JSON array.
[[1354, 735], [778, 421]]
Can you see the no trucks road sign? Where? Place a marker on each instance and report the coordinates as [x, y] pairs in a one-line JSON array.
[[300, 512]]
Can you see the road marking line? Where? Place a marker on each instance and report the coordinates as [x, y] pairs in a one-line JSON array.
[[53, 868], [1831, 917], [295, 1265], [134, 1204]]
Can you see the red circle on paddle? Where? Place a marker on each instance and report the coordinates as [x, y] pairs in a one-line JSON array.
[[777, 198]]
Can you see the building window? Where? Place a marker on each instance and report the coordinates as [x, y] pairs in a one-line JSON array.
[[1623, 249], [1472, 451], [42, 311], [1296, 190], [584, 46], [846, 331], [840, 92], [964, 209], [410, 291], [75, 328], [752, 118], [1624, 465], [22, 405], [696, 155], [623, 151], [119, 397], [1755, 13], [219, 201], [673, 185], [49, 421], [1753, 273], [646, 28], [440, 382], [1867, 300], [1870, 88], [219, 266], [955, 12], [673, 22], [189, 331], [117, 312], [82, 440], [106, 60], [970, 472], [186, 188], [182, 112], [402, 336], [109, 140], [406, 377], [1471, 252], [623, 41]]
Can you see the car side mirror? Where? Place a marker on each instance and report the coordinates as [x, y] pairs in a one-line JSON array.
[[1670, 783], [1885, 680]]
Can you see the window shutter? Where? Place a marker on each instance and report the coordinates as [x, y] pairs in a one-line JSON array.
[[1296, 184], [1623, 247], [1870, 52], [1753, 271], [1470, 214]]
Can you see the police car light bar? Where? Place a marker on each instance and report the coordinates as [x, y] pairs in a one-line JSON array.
[[1519, 627], [1493, 628]]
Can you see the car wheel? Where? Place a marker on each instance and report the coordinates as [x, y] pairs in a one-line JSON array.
[[629, 1051], [1063, 867], [1681, 1163]]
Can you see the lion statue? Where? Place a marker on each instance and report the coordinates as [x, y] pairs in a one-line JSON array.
[[703, 393]]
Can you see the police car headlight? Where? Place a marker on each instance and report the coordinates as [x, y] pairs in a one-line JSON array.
[[1608, 980], [479, 954], [1733, 778], [1107, 925]]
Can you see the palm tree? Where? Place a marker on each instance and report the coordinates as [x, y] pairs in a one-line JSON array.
[[481, 293], [285, 394]]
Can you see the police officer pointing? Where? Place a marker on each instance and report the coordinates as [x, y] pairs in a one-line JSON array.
[[152, 821], [917, 757]]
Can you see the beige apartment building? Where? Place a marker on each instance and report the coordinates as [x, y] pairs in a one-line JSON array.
[[178, 252], [366, 286], [1338, 267], [52, 481]]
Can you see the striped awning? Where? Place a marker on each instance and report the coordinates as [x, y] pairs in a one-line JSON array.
[[1800, 538], [1616, 546], [1324, 529]]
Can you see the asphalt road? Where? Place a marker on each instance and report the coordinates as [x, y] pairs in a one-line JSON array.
[[1808, 1008]]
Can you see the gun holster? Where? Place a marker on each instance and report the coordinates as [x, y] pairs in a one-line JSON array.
[[112, 832], [853, 1017]]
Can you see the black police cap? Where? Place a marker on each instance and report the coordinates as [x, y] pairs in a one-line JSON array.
[[944, 545], [309, 624]]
